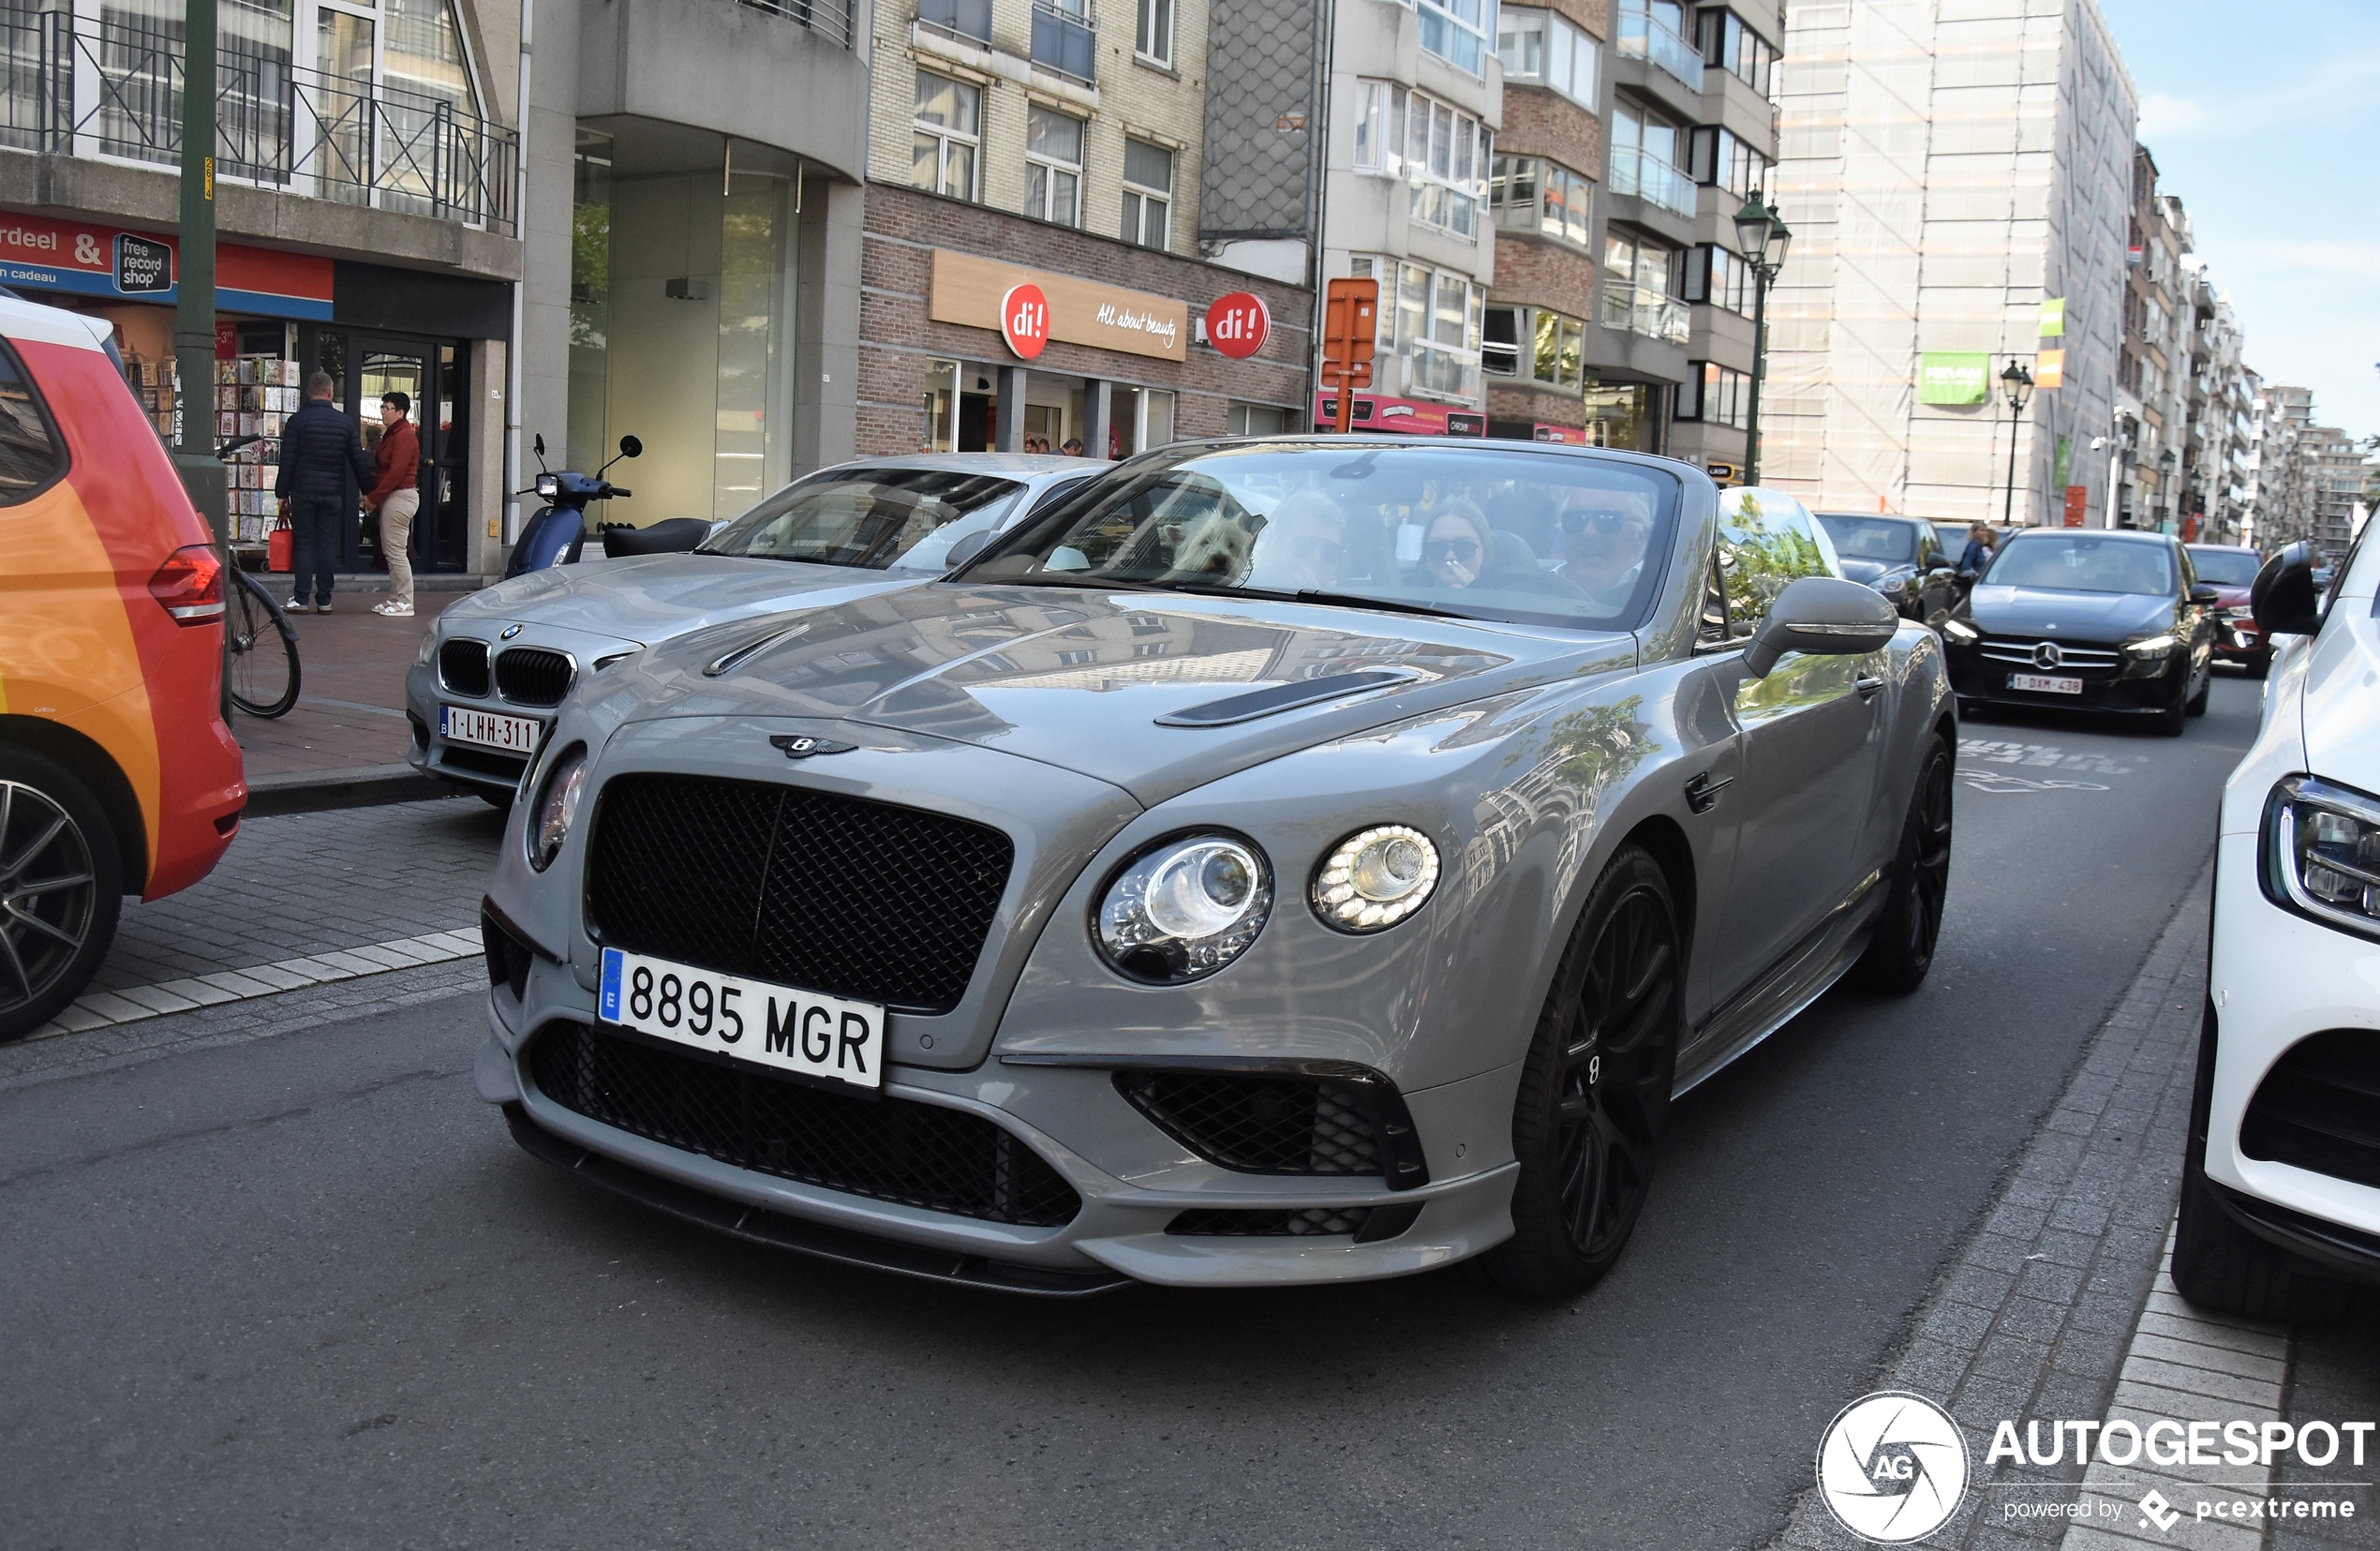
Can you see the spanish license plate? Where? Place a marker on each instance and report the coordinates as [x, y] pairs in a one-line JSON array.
[[516, 734], [793, 1031], [2045, 683]]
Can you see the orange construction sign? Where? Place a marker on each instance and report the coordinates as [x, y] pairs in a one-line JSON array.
[[1350, 322]]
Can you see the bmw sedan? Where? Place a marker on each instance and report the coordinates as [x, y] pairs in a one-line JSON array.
[[2090, 620], [1264, 868], [493, 667]]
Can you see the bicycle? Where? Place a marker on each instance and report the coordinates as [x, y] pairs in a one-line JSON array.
[[261, 666]]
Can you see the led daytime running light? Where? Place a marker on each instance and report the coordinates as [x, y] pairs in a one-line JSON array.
[[1375, 878]]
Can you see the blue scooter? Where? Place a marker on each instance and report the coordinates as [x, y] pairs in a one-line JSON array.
[[558, 531]]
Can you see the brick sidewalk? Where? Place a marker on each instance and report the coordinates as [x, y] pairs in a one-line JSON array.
[[351, 710]]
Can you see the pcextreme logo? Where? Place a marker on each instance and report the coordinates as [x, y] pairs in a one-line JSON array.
[[1893, 1466]]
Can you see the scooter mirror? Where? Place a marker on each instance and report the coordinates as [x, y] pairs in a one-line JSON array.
[[540, 445], [630, 447]]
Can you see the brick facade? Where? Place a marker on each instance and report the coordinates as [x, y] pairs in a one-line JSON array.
[[1525, 402], [898, 340], [1544, 273], [1540, 122]]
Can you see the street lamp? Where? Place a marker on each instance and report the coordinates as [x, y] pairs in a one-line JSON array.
[[2015, 385], [1762, 238]]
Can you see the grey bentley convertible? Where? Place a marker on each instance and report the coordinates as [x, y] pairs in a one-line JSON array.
[[1281, 861]]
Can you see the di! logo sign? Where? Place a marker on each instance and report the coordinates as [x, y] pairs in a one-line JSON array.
[[1238, 324], [1024, 321]]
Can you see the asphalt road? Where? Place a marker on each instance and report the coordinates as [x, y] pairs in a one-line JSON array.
[[305, 1291]]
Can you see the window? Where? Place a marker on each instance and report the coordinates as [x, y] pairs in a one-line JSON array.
[[1644, 156], [1714, 395], [1723, 161], [1719, 277], [1443, 155], [1456, 31], [1737, 49], [968, 19], [1538, 343], [1430, 322], [1640, 281], [30, 456], [942, 138], [1541, 47], [1153, 36], [1528, 194], [1148, 193], [1655, 30], [1255, 419], [1054, 166]]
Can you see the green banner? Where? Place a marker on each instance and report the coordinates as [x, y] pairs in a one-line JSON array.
[[2053, 317], [1954, 377], [2065, 460]]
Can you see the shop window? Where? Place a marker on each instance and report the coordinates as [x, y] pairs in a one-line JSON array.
[[1054, 166], [1255, 419], [1152, 37], [943, 136], [1148, 193], [30, 456]]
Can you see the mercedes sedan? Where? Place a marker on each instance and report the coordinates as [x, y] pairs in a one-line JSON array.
[[1263, 867]]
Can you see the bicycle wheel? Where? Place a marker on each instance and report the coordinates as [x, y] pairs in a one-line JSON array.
[[263, 664]]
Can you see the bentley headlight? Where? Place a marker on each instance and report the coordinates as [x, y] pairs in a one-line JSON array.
[[1184, 909], [557, 808], [2322, 853], [2155, 646], [1375, 878], [1959, 630]]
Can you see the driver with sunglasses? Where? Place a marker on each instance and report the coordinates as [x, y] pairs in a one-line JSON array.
[[1604, 535]]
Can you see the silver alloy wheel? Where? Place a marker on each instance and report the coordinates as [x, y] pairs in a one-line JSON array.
[[49, 893]]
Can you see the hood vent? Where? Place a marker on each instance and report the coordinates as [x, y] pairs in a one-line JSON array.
[[1283, 698]]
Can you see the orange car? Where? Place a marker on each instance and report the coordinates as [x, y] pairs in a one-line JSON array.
[[117, 775]]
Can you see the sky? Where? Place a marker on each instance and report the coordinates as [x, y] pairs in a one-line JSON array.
[[2265, 120]]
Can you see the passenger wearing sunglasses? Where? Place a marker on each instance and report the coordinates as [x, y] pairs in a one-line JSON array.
[[1454, 548], [1604, 537]]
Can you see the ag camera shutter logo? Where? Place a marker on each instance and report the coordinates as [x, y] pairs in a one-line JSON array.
[[1893, 1468]]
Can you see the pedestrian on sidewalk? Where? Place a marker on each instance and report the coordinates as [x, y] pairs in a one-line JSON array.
[[323, 468], [1978, 553], [396, 495]]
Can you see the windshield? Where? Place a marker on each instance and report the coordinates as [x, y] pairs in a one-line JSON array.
[[1871, 538], [2226, 567], [2079, 562], [1464, 530], [876, 520]]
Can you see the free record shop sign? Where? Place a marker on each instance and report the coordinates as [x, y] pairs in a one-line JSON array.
[[969, 291]]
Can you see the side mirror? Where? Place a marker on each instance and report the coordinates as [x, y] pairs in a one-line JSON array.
[[539, 444], [630, 447], [1822, 614], [2202, 593], [2284, 598]]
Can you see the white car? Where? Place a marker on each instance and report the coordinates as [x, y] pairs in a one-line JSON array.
[[2281, 1184]]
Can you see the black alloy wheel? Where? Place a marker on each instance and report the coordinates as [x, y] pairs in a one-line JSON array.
[[1902, 949], [60, 891], [1593, 1094]]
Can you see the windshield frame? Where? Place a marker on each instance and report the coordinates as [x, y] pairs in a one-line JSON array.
[[1010, 492], [1041, 529], [2037, 537]]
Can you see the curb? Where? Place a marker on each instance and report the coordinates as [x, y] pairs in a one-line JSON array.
[[356, 786]]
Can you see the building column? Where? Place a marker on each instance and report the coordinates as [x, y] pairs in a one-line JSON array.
[[1010, 432], [1097, 401]]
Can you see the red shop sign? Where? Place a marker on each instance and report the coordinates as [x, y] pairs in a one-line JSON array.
[[1239, 324], [1024, 319]]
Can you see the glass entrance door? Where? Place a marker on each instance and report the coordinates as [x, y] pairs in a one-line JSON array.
[[430, 373]]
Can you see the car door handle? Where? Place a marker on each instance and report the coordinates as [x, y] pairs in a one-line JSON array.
[[1702, 793], [1869, 685]]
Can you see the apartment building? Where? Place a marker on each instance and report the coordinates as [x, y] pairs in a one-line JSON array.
[[2212, 493], [367, 218], [1959, 182], [1031, 269]]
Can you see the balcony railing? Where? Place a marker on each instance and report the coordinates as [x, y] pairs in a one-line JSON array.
[[114, 90], [967, 18], [1641, 36], [1064, 41], [831, 19], [1646, 176], [1641, 309]]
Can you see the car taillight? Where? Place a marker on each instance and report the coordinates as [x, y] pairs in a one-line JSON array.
[[190, 585]]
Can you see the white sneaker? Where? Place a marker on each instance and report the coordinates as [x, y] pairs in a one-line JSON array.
[[394, 610]]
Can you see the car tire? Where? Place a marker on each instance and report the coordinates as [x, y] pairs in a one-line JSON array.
[[52, 940], [1902, 948], [2174, 718], [1594, 1094], [2196, 703], [2222, 1267]]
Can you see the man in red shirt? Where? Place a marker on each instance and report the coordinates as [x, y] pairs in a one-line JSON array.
[[395, 495]]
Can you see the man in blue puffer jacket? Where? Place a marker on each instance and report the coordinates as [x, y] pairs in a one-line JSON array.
[[324, 470]]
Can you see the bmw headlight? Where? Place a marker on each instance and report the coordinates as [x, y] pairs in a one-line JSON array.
[[2322, 853], [2155, 646], [557, 808], [429, 647], [1375, 878], [1184, 909], [1960, 631]]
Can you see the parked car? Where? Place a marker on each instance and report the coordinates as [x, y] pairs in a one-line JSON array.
[[2231, 571], [1255, 871], [2087, 619], [117, 775], [493, 666], [2281, 1184], [1901, 559]]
